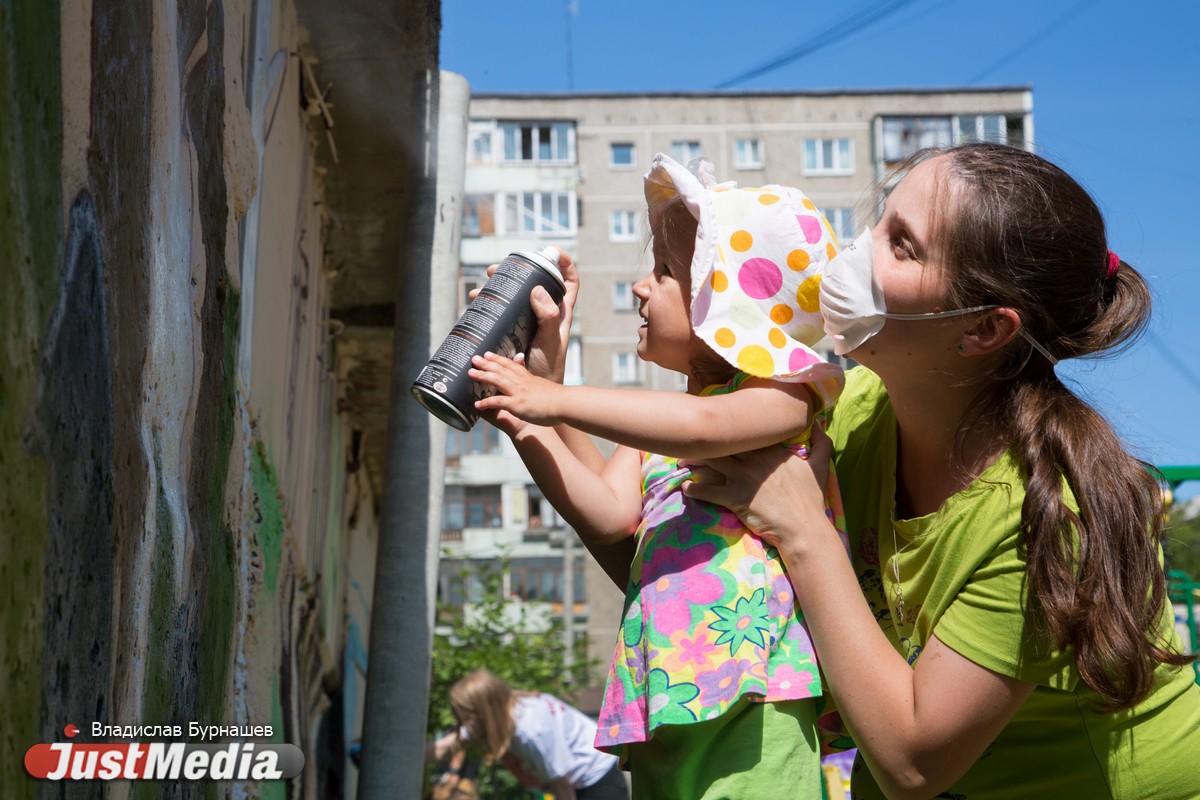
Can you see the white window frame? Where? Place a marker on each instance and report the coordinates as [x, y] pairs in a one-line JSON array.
[[573, 371], [622, 226], [929, 130], [559, 138], [623, 297], [974, 128], [747, 160], [526, 213], [842, 222], [481, 142], [470, 277], [626, 369], [684, 150], [612, 152], [829, 156]]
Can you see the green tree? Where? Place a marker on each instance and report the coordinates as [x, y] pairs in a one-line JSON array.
[[503, 636], [1181, 541]]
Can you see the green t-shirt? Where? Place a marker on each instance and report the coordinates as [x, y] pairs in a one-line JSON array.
[[963, 578]]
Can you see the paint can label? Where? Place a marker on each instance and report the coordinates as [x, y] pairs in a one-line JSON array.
[[499, 320]]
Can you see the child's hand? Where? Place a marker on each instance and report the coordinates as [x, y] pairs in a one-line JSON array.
[[521, 394]]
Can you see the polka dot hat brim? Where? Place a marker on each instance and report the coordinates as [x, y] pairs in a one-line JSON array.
[[756, 271]]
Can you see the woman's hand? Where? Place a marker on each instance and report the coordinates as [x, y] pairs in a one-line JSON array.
[[775, 492], [547, 356]]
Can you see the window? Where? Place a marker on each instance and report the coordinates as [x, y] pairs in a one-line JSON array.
[[543, 142], [685, 151], [540, 578], [623, 299], [542, 213], [622, 226], [479, 143], [478, 215], [620, 154], [480, 440], [542, 515], [471, 507], [981, 128], [470, 278], [842, 222], [747, 154], [627, 368], [573, 375], [903, 136], [828, 157]]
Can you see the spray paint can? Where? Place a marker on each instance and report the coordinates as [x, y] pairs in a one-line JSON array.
[[499, 320]]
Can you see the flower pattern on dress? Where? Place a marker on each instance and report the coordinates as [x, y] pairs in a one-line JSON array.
[[745, 623], [711, 617]]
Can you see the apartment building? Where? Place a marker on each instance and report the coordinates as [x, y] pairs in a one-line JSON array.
[[566, 169]]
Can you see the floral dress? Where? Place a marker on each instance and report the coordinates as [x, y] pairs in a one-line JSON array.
[[710, 616]]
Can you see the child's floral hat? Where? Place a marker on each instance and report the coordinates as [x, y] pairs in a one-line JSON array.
[[756, 271]]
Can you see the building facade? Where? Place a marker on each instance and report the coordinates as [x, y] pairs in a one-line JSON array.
[[566, 169]]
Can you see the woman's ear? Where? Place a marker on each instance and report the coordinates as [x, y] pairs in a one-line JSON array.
[[995, 330]]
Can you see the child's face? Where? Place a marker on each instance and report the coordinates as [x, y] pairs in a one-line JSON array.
[[665, 337]]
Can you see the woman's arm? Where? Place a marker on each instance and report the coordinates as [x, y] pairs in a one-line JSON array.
[[760, 413], [919, 728]]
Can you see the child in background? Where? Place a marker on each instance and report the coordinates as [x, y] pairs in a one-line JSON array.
[[711, 691], [545, 743]]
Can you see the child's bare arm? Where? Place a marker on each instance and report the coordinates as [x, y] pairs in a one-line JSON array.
[[602, 508], [760, 413]]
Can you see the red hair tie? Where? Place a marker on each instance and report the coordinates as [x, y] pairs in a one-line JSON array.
[[1114, 264]]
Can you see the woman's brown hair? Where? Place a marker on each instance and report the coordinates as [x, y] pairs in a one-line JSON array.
[[1017, 231]]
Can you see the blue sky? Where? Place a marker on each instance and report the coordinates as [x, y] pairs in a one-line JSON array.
[[1116, 102]]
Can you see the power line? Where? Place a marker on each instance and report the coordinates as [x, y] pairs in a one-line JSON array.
[[854, 22], [1054, 25]]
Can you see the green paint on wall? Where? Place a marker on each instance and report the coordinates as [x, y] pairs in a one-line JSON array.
[[30, 257], [268, 517]]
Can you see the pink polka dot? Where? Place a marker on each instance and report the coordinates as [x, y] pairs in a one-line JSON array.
[[760, 278], [700, 307], [811, 227], [799, 359]]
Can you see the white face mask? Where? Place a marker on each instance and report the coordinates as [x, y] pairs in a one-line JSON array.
[[852, 303]]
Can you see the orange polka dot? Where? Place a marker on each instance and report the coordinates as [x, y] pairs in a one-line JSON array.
[[808, 295], [724, 337], [663, 584], [741, 241], [808, 204], [830, 250], [768, 199], [799, 260], [781, 314], [719, 281], [777, 337]]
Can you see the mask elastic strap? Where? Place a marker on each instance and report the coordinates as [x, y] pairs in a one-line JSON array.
[[1036, 346], [960, 311]]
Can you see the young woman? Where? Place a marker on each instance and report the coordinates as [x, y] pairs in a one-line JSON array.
[[1003, 629]]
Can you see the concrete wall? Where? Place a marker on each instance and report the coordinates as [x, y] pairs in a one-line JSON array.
[[187, 529]]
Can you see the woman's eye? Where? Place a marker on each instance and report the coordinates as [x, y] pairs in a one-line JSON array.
[[902, 248]]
